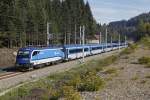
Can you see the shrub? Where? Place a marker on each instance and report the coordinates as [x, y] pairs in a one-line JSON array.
[[55, 94], [145, 41], [144, 60], [70, 93], [75, 81], [91, 82]]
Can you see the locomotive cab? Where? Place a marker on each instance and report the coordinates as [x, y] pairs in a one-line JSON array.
[[23, 59]]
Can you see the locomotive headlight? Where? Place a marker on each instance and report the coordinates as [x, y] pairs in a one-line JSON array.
[[17, 65]]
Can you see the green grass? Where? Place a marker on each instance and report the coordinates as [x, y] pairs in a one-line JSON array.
[[70, 93], [82, 78], [129, 50], [144, 60], [145, 42], [16, 93]]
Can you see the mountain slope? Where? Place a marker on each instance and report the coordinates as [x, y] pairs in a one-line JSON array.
[[131, 26]]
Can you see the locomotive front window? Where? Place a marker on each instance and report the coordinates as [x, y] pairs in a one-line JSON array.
[[23, 54]]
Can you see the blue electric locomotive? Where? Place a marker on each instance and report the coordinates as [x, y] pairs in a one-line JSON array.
[[32, 57]]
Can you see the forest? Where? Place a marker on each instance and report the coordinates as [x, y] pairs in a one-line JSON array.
[[24, 22], [135, 28]]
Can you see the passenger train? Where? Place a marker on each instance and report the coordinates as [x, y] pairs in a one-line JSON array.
[[33, 57]]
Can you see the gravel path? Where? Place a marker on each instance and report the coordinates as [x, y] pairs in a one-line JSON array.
[[37, 74], [129, 84]]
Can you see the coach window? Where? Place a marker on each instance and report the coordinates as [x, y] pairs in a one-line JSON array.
[[85, 49], [35, 53]]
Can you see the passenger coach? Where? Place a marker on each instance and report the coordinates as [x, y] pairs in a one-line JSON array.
[[75, 51]]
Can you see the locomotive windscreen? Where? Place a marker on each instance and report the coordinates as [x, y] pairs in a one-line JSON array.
[[23, 54]]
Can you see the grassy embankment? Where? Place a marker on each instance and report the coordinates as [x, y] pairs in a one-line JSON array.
[[67, 84], [70, 84], [145, 60]]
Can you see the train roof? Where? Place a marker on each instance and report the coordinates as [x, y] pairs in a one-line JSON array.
[[38, 48], [80, 45], [66, 46], [75, 45]]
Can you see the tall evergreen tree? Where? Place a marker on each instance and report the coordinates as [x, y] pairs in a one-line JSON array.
[[23, 22]]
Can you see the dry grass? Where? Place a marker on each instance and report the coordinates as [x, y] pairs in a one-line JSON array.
[[135, 78], [147, 76], [111, 71]]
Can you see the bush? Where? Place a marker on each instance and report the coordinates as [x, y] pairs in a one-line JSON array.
[[145, 41], [70, 93], [144, 60], [75, 81], [55, 94], [129, 49], [91, 82]]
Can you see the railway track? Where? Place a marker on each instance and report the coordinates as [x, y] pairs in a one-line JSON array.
[[9, 74]]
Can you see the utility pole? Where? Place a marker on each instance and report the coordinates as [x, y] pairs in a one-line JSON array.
[[65, 38], [25, 39], [100, 38], [69, 37], [29, 39], [106, 37], [48, 24], [80, 34], [111, 42], [75, 34], [119, 42], [125, 40], [83, 41]]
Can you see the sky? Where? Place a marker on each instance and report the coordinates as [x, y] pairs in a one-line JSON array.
[[105, 11]]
